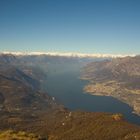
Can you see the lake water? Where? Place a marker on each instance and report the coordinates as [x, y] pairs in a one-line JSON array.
[[68, 90]]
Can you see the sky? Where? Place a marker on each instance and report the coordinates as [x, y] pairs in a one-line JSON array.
[[85, 26]]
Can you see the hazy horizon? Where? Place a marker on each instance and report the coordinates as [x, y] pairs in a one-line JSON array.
[[67, 54]]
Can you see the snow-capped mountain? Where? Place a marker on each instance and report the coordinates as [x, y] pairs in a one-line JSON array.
[[69, 54]]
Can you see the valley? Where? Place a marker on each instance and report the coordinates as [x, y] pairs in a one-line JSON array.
[[43, 97]]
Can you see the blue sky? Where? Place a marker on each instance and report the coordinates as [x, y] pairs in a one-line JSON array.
[[90, 26]]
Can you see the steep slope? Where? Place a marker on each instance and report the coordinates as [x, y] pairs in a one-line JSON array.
[[20, 90], [119, 78], [22, 102]]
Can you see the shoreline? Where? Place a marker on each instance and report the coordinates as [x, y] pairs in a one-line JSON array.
[[124, 99]]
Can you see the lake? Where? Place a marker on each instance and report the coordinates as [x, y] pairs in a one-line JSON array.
[[66, 86]]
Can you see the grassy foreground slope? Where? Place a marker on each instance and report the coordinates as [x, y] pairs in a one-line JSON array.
[[21, 135], [94, 126], [76, 126]]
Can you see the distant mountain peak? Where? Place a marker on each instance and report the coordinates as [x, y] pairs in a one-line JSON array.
[[69, 54]]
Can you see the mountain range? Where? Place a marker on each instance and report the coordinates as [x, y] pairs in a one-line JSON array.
[[118, 77], [25, 106], [69, 54]]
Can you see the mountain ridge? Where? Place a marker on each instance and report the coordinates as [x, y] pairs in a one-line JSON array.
[[25, 107], [70, 54], [118, 77]]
